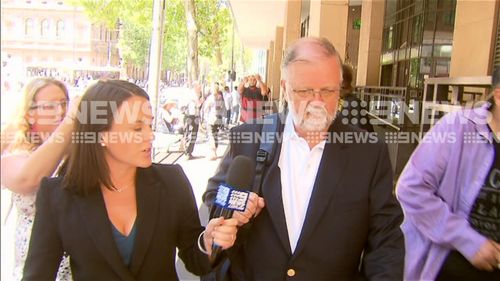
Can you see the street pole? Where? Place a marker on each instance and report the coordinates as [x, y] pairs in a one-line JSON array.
[[109, 46], [155, 55], [232, 58]]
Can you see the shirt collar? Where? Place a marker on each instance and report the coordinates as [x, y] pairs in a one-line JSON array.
[[479, 117], [289, 131]]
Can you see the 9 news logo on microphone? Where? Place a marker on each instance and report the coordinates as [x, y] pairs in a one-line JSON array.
[[231, 199]]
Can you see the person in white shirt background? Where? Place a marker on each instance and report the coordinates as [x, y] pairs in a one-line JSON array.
[[228, 102], [236, 101], [192, 118]]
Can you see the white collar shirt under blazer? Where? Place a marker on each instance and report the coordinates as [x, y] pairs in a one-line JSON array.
[[299, 166]]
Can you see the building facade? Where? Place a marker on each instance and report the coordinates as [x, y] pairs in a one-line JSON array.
[[389, 42], [52, 38], [412, 59]]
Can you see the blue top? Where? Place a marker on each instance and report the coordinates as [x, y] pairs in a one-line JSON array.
[[124, 243]]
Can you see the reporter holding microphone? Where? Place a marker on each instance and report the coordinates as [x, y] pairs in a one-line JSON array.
[[116, 215]]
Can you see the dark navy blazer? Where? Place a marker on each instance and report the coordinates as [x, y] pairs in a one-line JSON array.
[[352, 225], [167, 217]]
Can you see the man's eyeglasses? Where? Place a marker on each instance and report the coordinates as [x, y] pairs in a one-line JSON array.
[[309, 93], [49, 106]]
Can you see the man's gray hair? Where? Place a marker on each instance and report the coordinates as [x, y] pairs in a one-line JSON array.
[[325, 44]]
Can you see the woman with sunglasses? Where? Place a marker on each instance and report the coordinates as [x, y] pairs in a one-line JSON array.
[[33, 145]]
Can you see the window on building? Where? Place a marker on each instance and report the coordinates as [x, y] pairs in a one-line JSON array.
[[390, 37], [446, 4], [496, 55], [442, 68], [28, 27], [414, 66], [429, 27], [60, 28], [417, 30], [356, 24], [44, 27], [420, 35], [386, 75], [425, 65]]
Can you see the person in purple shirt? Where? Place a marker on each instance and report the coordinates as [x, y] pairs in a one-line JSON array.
[[450, 194]]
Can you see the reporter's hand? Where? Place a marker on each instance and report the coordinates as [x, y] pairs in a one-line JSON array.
[[257, 76], [255, 204], [488, 256], [221, 232]]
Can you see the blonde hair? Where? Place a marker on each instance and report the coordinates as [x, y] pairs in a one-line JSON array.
[[16, 134]]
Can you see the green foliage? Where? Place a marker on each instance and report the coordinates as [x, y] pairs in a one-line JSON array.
[[134, 43], [100, 11], [213, 20], [175, 37], [133, 18]]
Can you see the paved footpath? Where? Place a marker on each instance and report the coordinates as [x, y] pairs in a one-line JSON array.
[[198, 171]]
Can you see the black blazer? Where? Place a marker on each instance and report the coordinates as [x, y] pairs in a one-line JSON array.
[[351, 230], [167, 217]]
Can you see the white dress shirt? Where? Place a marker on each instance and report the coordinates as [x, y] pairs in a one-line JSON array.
[[299, 167]]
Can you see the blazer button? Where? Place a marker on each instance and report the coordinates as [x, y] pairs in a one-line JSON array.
[[290, 272]]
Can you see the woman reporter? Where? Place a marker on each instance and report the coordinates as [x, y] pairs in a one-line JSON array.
[[115, 214]]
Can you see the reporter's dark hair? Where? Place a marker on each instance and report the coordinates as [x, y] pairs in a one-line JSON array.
[[86, 168]]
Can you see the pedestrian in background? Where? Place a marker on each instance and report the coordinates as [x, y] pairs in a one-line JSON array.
[[236, 99], [228, 102], [450, 193], [353, 111], [214, 110], [192, 118], [252, 90], [43, 132]]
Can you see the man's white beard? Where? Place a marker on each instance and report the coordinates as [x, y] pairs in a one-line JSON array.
[[315, 117]]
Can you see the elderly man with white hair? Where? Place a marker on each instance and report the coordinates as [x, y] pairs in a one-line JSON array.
[[326, 210]]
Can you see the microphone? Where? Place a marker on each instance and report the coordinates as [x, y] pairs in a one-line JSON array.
[[233, 194]]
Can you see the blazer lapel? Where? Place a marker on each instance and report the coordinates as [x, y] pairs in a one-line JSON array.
[[332, 167], [95, 218], [271, 190], [148, 203]]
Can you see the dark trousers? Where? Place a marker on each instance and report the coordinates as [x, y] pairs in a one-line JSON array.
[[228, 117], [191, 124], [456, 268], [213, 135]]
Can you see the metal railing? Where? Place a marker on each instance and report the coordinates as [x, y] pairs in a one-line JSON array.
[[443, 95]]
